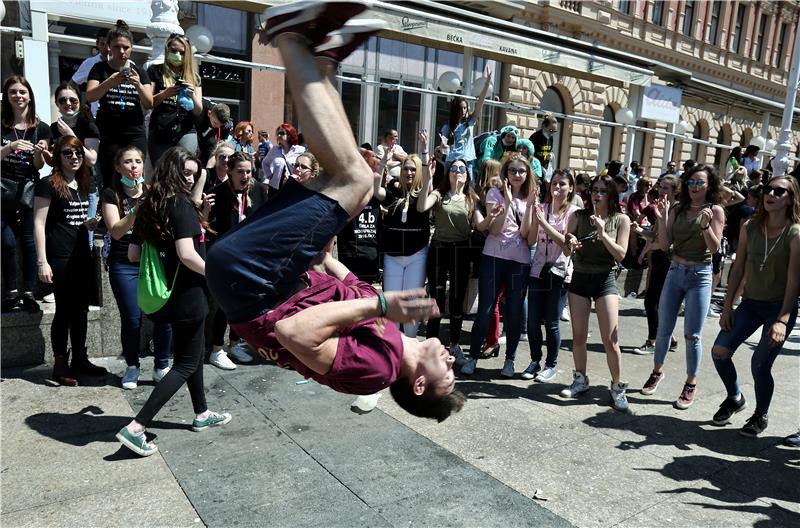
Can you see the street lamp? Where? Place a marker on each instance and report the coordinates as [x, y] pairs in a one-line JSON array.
[[449, 82], [624, 116], [759, 142]]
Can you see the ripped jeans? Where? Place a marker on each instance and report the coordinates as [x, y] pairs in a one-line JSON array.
[[690, 283]]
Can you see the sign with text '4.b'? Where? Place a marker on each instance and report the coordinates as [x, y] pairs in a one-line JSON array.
[[661, 103]]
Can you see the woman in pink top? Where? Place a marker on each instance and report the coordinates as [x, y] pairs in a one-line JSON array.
[[506, 260], [551, 271]]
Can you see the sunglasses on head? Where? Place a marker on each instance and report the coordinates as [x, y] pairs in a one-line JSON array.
[[458, 168], [68, 153], [777, 192], [695, 183], [72, 100]]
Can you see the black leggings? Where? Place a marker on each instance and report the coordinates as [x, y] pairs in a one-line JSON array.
[[189, 351], [659, 266], [72, 280], [448, 259], [218, 327]]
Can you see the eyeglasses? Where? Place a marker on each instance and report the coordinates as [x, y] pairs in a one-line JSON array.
[[695, 183], [599, 191], [302, 167], [71, 100], [281, 133], [68, 153], [458, 168], [517, 171], [777, 192]]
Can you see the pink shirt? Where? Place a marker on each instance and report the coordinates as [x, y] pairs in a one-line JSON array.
[[547, 251], [369, 354], [509, 244]]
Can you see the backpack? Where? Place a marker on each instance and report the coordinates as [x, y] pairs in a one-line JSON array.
[[151, 289]]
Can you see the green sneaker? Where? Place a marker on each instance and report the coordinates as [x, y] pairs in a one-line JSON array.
[[213, 420], [136, 442]]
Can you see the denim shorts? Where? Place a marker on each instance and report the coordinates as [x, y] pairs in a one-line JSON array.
[[258, 264], [593, 285]]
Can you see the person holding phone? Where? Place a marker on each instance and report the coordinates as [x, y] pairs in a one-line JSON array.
[[61, 225], [124, 92], [178, 99]]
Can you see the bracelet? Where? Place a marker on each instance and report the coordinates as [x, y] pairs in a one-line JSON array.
[[382, 303], [781, 322], [705, 228]]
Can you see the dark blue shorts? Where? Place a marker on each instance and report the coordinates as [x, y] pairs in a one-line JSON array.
[[258, 263]]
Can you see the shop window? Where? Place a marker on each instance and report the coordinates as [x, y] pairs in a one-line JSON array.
[[605, 151], [229, 27], [351, 100], [400, 111], [551, 102]]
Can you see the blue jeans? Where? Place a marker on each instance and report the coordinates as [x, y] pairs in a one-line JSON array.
[[496, 272], [123, 278], [748, 317], [547, 299], [692, 283]]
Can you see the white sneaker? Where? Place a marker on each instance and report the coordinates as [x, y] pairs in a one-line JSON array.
[[508, 369], [530, 372], [565, 314], [158, 374], [130, 380], [548, 374], [469, 367], [49, 298], [712, 313], [240, 352], [523, 337], [618, 399], [457, 353], [220, 360], [502, 340], [364, 404], [580, 384]]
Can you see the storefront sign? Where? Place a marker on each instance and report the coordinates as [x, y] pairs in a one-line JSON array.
[[137, 13], [661, 104]]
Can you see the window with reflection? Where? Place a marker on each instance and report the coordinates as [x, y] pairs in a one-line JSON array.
[[551, 101]]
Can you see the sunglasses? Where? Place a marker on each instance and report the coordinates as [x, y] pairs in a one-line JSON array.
[[68, 153], [302, 167], [71, 100], [458, 168], [696, 183], [517, 171], [777, 192]]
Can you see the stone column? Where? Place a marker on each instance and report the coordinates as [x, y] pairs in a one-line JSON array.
[[162, 25]]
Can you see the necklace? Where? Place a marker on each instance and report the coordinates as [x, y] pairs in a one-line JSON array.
[[768, 250]]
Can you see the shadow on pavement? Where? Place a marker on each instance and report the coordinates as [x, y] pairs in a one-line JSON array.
[[40, 375]]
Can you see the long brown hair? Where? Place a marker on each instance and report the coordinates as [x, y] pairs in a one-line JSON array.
[[8, 113], [558, 173], [792, 212], [714, 192], [470, 197], [188, 68], [235, 159], [613, 195], [152, 218], [530, 177], [83, 175]]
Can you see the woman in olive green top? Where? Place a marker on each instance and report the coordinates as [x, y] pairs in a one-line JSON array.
[[598, 237], [455, 212], [693, 229], [768, 261]]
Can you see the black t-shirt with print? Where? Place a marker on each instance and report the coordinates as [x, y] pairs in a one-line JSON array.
[[64, 229], [358, 242], [84, 129], [18, 165], [543, 147], [118, 252], [120, 108], [169, 120]]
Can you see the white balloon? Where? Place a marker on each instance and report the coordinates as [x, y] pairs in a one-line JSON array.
[[771, 144], [681, 128], [624, 116], [201, 38], [477, 87], [449, 82], [758, 141]]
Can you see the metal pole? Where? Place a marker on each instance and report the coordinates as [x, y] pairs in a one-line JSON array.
[[780, 165]]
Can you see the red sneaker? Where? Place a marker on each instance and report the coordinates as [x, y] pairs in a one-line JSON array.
[[652, 382], [338, 44], [313, 19]]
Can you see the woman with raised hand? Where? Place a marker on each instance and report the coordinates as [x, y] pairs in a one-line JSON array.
[[168, 219], [279, 162], [767, 261], [405, 231], [25, 140], [177, 99], [551, 271], [61, 225], [506, 260], [455, 212], [124, 92], [119, 203], [598, 237], [693, 231], [234, 200]]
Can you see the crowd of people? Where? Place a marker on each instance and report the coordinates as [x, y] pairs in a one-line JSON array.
[[538, 243]]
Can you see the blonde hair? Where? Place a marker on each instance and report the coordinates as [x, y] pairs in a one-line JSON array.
[[416, 183], [489, 171], [189, 68]]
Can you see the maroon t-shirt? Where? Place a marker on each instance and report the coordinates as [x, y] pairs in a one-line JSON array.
[[369, 353]]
